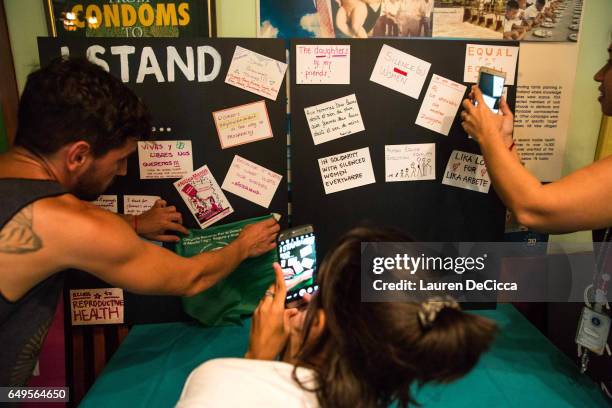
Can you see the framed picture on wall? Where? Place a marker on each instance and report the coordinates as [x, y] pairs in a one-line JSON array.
[[150, 18]]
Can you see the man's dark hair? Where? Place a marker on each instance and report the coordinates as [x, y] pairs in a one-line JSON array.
[[512, 5], [72, 99], [541, 2]]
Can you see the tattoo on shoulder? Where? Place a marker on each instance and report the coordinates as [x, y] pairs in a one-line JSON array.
[[18, 236]]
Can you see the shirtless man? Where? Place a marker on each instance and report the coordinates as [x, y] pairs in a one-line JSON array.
[[77, 126]]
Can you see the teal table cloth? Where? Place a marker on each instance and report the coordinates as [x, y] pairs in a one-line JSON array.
[[523, 369]]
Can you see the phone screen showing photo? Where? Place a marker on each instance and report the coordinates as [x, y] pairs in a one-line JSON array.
[[298, 259], [492, 88]]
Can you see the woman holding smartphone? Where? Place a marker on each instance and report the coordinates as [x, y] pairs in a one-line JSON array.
[[341, 352], [579, 201]]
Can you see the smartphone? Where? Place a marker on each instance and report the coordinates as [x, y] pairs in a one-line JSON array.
[[298, 258], [491, 84]]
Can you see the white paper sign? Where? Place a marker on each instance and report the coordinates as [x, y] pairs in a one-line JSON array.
[[307, 263], [440, 104], [256, 73], [346, 170], [107, 202], [251, 181], [323, 64], [96, 306], [165, 159], [304, 252], [204, 197], [243, 124], [400, 71], [137, 204], [410, 162], [334, 119], [467, 170], [498, 57]]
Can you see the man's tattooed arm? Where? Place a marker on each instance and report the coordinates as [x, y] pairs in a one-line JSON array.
[[18, 236]]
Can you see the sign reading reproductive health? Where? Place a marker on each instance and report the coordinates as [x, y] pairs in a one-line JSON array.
[[96, 306]]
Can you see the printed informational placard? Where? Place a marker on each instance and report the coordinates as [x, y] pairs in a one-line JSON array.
[[467, 170], [323, 64], [400, 71], [251, 181], [334, 119], [410, 162], [96, 306], [137, 204], [544, 100], [440, 105], [242, 124], [497, 57], [346, 170], [107, 202], [162, 159], [256, 73], [204, 197]]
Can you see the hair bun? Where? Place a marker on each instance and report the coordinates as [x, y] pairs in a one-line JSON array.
[[429, 309]]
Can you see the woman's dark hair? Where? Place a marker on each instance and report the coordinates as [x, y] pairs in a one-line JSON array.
[[73, 99], [369, 354]]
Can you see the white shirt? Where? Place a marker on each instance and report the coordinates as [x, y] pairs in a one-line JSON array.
[[531, 12], [240, 382], [428, 8], [509, 23], [391, 7]]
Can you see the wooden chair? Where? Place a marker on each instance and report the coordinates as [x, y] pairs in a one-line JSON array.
[[88, 349]]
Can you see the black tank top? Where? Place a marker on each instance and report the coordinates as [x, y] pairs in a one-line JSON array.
[[24, 323], [372, 17]]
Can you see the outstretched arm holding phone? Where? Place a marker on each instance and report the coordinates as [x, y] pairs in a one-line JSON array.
[[578, 201]]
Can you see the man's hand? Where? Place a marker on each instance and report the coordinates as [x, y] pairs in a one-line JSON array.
[[259, 238], [482, 123], [270, 325], [154, 223]]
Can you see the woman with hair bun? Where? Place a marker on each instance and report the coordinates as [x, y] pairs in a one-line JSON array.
[[339, 351]]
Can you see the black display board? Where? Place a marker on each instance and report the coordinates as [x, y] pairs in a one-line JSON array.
[[185, 107], [427, 210]]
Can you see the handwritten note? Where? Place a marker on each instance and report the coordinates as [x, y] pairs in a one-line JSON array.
[[440, 105], [468, 171], [334, 119], [96, 306], [323, 64], [498, 57], [400, 71], [346, 170], [256, 73], [251, 181], [165, 159], [107, 202], [243, 124], [410, 162], [137, 204], [204, 197]]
